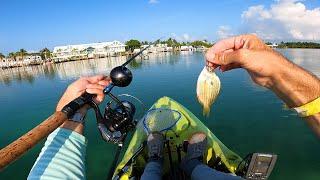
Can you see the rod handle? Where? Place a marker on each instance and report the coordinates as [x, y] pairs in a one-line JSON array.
[[20, 146]]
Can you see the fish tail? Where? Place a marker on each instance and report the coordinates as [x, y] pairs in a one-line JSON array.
[[206, 111]]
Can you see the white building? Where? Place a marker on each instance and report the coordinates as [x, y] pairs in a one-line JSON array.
[[136, 50], [273, 45], [186, 48], [201, 48], [32, 59], [21, 61], [82, 51], [157, 48]]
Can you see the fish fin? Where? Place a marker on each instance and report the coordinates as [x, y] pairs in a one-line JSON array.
[[206, 111]]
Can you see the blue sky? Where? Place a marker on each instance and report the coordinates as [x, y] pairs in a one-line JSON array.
[[34, 24]]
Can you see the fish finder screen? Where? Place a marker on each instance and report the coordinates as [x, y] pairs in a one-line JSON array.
[[262, 164]]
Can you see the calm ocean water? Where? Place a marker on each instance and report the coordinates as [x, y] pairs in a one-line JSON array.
[[246, 118]]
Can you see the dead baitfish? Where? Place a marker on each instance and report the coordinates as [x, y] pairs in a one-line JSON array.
[[208, 88]]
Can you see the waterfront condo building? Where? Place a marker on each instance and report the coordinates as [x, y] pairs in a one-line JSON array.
[[87, 51]]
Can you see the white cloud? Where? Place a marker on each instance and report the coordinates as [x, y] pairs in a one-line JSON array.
[[205, 37], [183, 37], [256, 12], [153, 1], [175, 36], [224, 32], [186, 37], [284, 19]]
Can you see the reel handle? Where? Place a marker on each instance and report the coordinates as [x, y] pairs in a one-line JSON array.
[[108, 89]]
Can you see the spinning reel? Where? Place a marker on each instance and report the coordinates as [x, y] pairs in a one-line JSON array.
[[118, 118]]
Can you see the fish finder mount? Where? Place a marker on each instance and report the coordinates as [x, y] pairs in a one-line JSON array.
[[257, 166]]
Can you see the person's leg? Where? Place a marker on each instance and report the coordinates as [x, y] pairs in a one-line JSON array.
[[197, 146], [153, 169], [202, 172], [192, 164]]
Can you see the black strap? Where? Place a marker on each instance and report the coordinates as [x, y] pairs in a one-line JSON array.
[[76, 104]]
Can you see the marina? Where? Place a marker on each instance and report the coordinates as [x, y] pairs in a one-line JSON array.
[[89, 51]]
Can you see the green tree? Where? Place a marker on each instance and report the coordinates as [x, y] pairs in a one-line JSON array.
[[45, 53], [172, 43], [144, 42], [132, 44], [22, 53], [12, 55], [299, 45], [157, 41], [2, 56], [200, 43]]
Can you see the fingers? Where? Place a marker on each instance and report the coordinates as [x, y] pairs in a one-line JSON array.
[[97, 89], [94, 91], [104, 82], [95, 79], [238, 58], [221, 48], [95, 86], [98, 92], [212, 65], [223, 45], [233, 43]]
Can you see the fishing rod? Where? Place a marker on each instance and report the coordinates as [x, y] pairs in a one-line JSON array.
[[113, 126], [121, 76], [137, 54]]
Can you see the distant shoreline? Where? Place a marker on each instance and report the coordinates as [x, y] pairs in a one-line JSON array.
[[304, 45], [298, 47], [51, 61]]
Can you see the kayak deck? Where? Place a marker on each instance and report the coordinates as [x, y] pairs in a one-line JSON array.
[[218, 156]]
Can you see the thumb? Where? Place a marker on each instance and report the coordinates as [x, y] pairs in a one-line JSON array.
[[238, 57]]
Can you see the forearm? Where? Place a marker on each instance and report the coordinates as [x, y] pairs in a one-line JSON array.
[[314, 123], [63, 155], [296, 87], [74, 126]]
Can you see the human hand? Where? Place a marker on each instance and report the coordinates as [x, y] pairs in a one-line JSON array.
[[248, 52], [92, 85], [293, 84]]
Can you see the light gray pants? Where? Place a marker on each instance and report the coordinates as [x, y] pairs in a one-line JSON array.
[[153, 171]]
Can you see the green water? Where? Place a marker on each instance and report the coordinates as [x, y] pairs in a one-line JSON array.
[[245, 117]]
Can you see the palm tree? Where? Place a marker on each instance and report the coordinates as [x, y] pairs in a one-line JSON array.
[[2, 56], [12, 55], [45, 53], [74, 51], [22, 53]]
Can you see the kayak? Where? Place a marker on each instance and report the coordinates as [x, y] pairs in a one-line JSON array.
[[217, 156]]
